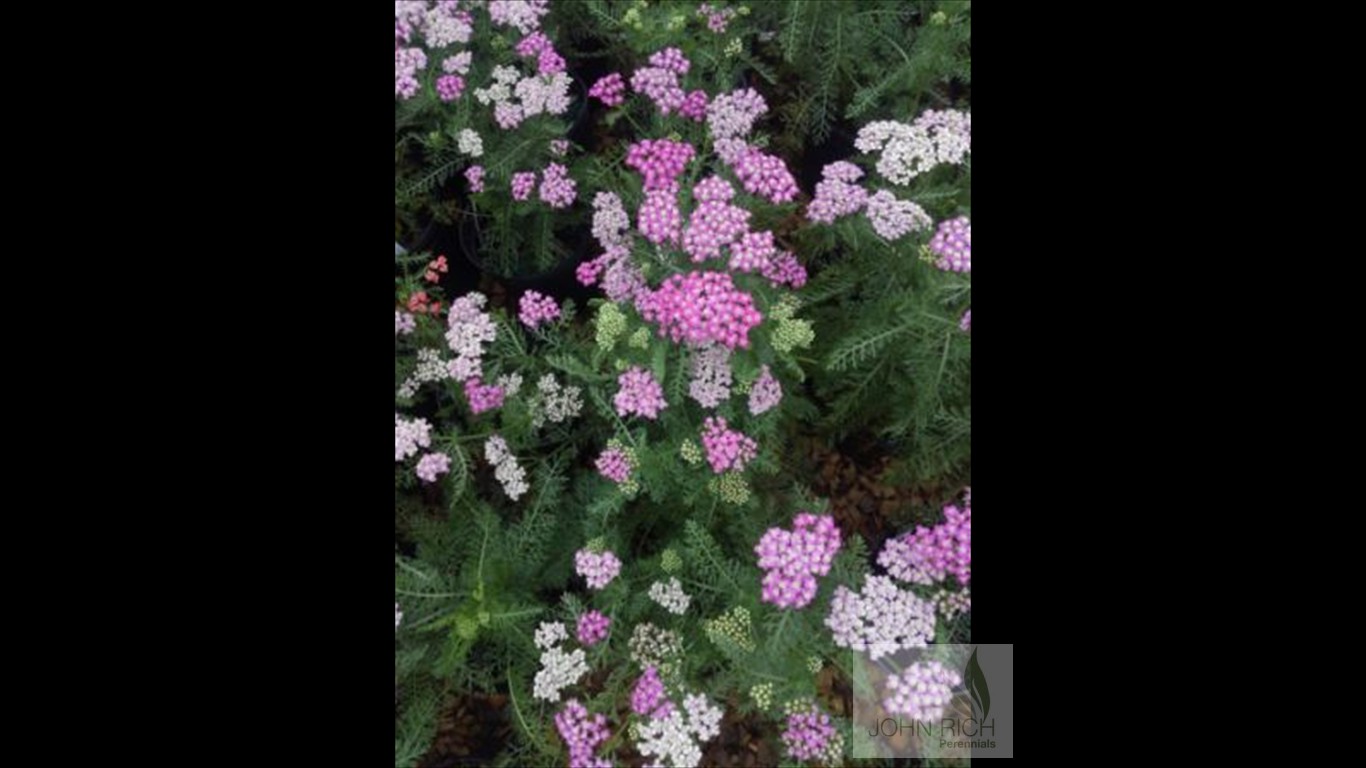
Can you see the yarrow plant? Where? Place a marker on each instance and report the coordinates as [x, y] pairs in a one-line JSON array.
[[793, 559], [921, 691]]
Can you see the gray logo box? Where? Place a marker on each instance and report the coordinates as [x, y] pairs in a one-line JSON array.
[[947, 702]]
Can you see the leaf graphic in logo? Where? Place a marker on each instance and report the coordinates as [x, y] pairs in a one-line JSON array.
[[976, 683]]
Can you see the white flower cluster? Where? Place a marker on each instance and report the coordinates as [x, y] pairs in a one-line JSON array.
[[470, 328], [881, 620], [554, 403], [501, 89], [654, 647], [470, 143], [443, 29], [671, 596], [550, 634], [711, 375], [430, 367], [510, 383], [535, 94], [559, 669], [398, 616], [675, 740], [910, 150], [505, 468], [409, 436], [459, 64], [610, 220], [893, 218]]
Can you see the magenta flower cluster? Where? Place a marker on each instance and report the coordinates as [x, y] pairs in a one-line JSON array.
[[648, 697], [592, 627], [921, 691], [715, 223], [536, 308], [752, 252], [449, 87], [482, 397], [522, 184], [671, 59], [583, 734], [611, 89], [701, 307], [639, 394], [599, 568], [614, 465], [659, 219], [808, 734], [548, 62], [475, 176], [930, 555], [795, 558], [726, 448], [784, 269], [952, 243], [765, 175], [432, 465], [660, 161], [557, 189], [660, 86]]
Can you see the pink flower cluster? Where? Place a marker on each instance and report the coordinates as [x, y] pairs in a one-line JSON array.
[[614, 465], [639, 394], [701, 307], [880, 620], [765, 393], [752, 252], [765, 175], [404, 323], [966, 323], [548, 62], [952, 242], [717, 18], [808, 735], [407, 61], [837, 194], [592, 627], [930, 555], [671, 59], [482, 397], [732, 115], [522, 184], [725, 447], [795, 558], [583, 734], [713, 225], [598, 568], [557, 189], [469, 330], [660, 86], [922, 691], [621, 278], [432, 465], [784, 270], [648, 697], [449, 87], [536, 308], [660, 161], [695, 106], [610, 89], [659, 219], [475, 175]]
